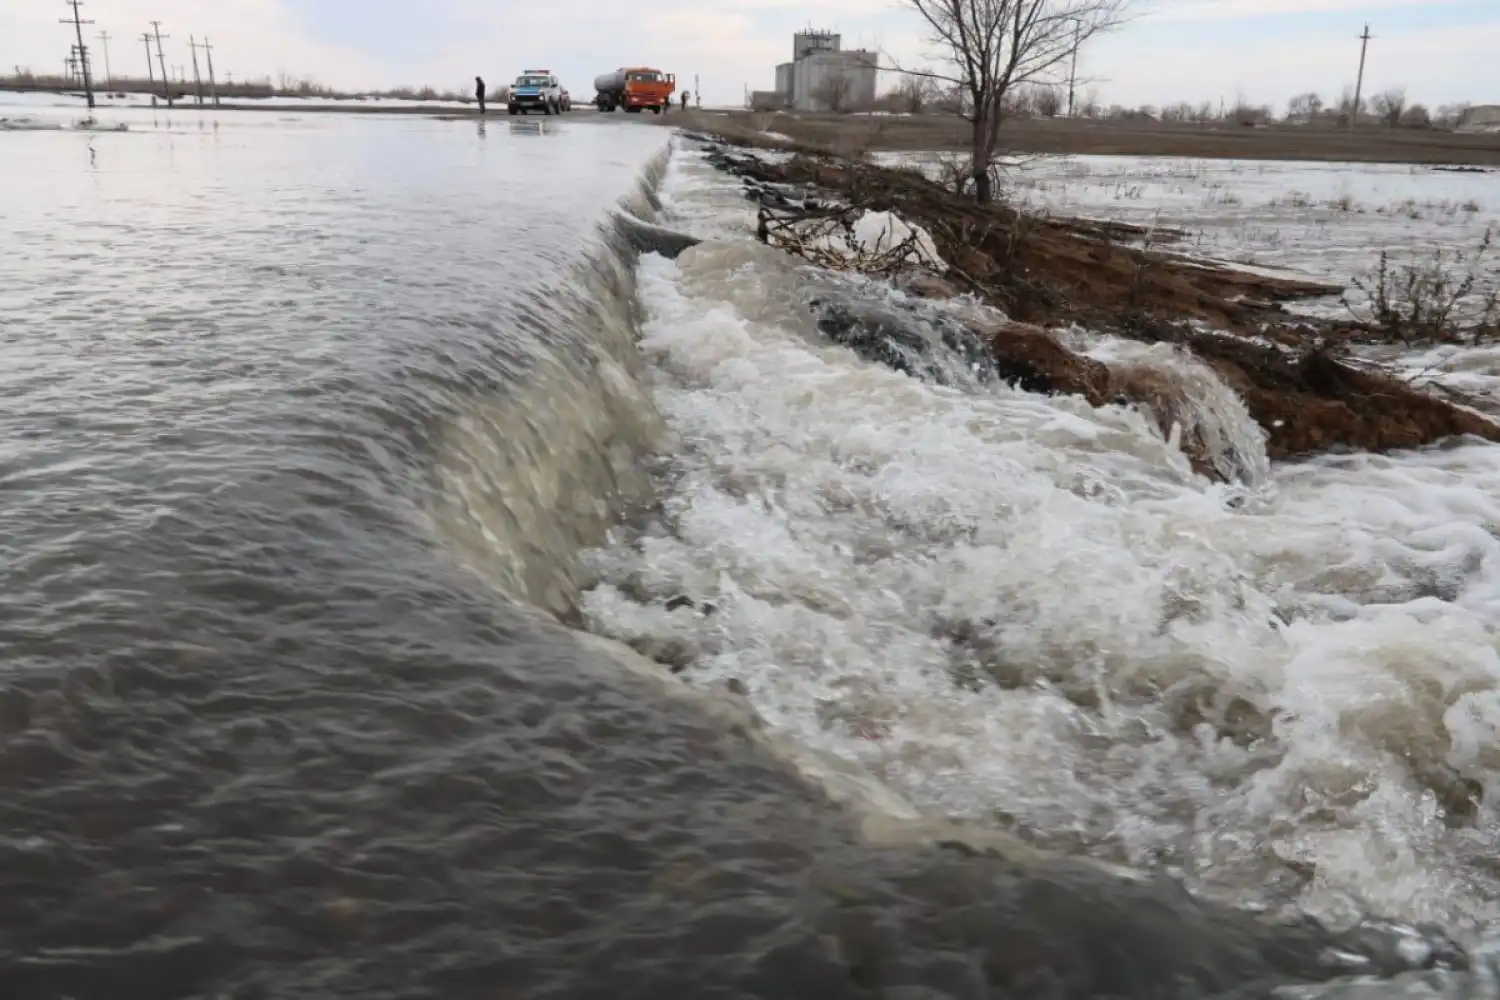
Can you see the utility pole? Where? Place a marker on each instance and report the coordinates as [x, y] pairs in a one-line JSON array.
[[1073, 69], [74, 67], [109, 76], [1359, 82], [161, 60], [150, 73], [83, 62], [213, 88]]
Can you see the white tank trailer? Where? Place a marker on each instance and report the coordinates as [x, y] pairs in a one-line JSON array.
[[610, 83], [609, 90]]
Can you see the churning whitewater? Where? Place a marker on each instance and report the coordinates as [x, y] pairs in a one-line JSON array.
[[1030, 614]]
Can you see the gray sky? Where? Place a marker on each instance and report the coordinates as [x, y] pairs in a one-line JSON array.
[[1196, 50]]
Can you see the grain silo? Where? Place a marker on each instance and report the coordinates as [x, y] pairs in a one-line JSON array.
[[824, 77]]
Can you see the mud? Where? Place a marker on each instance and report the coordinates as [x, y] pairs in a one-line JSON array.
[[1081, 136]]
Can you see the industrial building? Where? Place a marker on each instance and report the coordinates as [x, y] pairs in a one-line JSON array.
[[822, 76], [1482, 118]]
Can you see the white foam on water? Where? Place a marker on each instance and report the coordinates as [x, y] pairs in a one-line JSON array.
[[1029, 613], [1197, 402]]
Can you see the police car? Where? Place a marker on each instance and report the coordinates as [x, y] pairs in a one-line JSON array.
[[536, 90]]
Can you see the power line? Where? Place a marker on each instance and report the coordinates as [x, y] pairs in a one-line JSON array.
[[83, 61], [213, 88], [1073, 67], [197, 80], [1359, 82], [109, 76], [150, 71], [166, 81]]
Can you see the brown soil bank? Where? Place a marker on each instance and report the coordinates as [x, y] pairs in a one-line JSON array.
[[1081, 136], [1308, 396]]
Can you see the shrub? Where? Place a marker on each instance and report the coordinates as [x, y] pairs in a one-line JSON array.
[[1442, 300]]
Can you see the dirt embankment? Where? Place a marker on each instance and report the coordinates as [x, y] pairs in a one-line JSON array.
[[1305, 392], [1217, 140]]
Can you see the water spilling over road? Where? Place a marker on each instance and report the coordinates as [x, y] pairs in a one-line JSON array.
[[311, 426], [1028, 612]]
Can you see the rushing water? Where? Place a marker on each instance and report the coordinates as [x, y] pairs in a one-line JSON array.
[[1026, 612], [314, 432]]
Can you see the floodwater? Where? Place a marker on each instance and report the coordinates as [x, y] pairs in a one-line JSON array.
[[324, 440], [1031, 613]]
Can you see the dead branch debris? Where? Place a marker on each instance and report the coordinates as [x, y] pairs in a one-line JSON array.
[[1294, 376], [826, 236]]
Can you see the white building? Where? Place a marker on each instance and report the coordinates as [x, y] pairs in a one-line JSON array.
[[824, 77], [1481, 118]]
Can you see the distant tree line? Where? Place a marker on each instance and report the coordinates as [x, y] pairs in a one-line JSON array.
[[918, 94], [284, 85]]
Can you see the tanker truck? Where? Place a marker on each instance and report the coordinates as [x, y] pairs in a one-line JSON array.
[[634, 88]]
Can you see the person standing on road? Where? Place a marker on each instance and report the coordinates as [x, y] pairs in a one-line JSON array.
[[685, 96], [479, 92]]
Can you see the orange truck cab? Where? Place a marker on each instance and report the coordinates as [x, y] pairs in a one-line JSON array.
[[634, 88]]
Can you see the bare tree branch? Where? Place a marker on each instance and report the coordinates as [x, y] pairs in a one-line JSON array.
[[915, 93], [992, 46], [1390, 106], [835, 90]]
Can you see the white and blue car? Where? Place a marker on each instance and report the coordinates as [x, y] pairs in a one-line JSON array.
[[537, 90]]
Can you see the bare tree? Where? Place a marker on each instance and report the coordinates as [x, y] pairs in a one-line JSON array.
[[1048, 101], [1389, 106], [1020, 102], [916, 93], [949, 99], [1416, 116], [1089, 106], [1304, 107], [835, 91], [994, 45], [1245, 113]]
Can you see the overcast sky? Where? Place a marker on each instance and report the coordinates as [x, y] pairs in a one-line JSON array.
[[1196, 50]]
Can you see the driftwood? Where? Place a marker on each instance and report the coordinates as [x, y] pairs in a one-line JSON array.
[[825, 236]]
